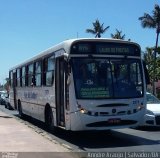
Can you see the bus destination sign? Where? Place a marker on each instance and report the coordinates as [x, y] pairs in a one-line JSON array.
[[113, 50], [105, 48], [84, 48]]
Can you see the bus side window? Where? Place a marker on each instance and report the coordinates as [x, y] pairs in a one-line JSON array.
[[38, 73], [30, 75], [44, 71], [23, 76], [49, 67]]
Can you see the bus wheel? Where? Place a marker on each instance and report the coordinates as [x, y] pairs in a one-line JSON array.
[[49, 120], [20, 109]]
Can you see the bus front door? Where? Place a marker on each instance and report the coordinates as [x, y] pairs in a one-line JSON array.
[[60, 91]]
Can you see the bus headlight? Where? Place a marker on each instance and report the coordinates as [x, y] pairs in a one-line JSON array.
[[83, 111], [140, 107]]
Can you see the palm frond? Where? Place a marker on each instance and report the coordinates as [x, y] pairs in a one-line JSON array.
[[147, 21], [106, 28], [118, 35], [97, 29], [90, 31]]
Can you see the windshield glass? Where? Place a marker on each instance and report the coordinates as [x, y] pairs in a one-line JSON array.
[[151, 99], [96, 78]]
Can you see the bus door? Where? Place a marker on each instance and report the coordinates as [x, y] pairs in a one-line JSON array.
[[14, 90], [60, 82]]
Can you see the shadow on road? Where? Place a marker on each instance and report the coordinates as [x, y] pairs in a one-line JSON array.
[[96, 139], [149, 128], [105, 139]]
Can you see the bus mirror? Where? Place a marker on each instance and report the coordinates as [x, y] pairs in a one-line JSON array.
[[146, 73]]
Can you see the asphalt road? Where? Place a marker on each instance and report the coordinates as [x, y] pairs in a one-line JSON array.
[[128, 140]]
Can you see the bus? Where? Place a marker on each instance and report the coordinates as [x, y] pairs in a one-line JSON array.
[[82, 84]]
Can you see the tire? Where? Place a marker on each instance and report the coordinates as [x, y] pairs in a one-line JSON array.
[[6, 106], [49, 120], [9, 106], [20, 109]]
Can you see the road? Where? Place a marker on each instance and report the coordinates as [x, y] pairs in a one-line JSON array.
[[128, 140]]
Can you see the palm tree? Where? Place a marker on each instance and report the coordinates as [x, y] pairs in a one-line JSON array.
[[149, 60], [152, 21], [97, 29], [118, 35]]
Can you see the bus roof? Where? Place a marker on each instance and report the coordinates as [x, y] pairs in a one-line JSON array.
[[66, 46]]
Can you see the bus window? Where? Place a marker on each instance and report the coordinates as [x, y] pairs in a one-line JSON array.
[[11, 78], [49, 67], [18, 77], [38, 73], [30, 75], [90, 81], [107, 78], [23, 76], [127, 78]]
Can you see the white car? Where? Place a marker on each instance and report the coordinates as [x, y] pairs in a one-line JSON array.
[[4, 100], [152, 116]]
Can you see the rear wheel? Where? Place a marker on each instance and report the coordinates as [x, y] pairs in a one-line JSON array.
[[49, 120], [8, 106], [20, 109]]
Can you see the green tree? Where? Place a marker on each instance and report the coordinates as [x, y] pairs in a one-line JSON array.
[[149, 60], [152, 21], [98, 29], [118, 35]]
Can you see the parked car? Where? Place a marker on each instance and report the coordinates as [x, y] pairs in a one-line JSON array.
[[4, 100], [2, 97], [152, 116]]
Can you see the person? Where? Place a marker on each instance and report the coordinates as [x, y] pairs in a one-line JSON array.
[[80, 74], [117, 73], [120, 82], [83, 72], [123, 86]]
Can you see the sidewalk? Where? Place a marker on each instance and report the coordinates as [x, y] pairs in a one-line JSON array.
[[17, 137]]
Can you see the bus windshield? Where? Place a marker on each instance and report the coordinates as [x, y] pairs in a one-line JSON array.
[[100, 78]]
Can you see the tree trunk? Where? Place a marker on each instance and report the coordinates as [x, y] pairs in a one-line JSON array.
[[155, 57]]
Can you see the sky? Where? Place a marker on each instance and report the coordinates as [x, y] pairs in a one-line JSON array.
[[28, 27]]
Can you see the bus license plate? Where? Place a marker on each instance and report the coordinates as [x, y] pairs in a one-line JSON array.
[[114, 121]]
